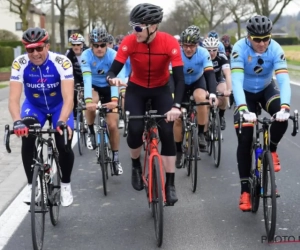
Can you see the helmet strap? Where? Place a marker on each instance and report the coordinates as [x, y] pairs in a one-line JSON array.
[[149, 35]]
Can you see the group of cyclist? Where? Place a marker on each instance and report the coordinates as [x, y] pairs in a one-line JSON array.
[[145, 57]]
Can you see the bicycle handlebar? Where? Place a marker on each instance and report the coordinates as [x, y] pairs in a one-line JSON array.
[[34, 129], [268, 121]]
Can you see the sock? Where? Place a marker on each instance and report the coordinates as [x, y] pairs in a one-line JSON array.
[[178, 147], [200, 129], [115, 155], [136, 163], [170, 177], [91, 129], [221, 113], [245, 186]]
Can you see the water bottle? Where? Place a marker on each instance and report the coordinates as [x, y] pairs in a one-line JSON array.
[[258, 154]]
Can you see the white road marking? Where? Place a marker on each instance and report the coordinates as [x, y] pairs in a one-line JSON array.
[[12, 217]]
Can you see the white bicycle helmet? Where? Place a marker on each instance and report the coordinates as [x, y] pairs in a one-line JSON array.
[[177, 37], [210, 42], [76, 38]]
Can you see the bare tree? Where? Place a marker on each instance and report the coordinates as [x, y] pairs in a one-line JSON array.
[[266, 7], [241, 11], [80, 12], [21, 8], [212, 11]]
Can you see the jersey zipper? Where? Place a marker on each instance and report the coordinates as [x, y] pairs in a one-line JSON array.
[[148, 65], [43, 86]]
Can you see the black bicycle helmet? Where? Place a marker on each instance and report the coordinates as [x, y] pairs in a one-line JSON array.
[[146, 13], [259, 26], [99, 35], [35, 36], [190, 35], [111, 39]]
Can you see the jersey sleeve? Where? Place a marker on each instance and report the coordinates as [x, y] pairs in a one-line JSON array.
[[17, 71], [237, 75], [87, 75], [65, 69], [174, 52], [224, 61], [207, 62], [282, 76]]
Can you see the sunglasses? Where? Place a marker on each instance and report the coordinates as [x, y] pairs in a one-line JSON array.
[[76, 44], [138, 28], [38, 49], [212, 50], [102, 45], [259, 39], [225, 41]]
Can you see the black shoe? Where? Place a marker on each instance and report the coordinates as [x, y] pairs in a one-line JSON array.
[[171, 197], [136, 179], [178, 163], [202, 143], [223, 123]]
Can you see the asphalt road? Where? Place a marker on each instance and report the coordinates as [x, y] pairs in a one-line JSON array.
[[208, 219]]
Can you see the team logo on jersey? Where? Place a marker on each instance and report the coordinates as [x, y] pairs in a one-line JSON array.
[[59, 60], [33, 69], [174, 51], [235, 54], [36, 95], [209, 58], [124, 48], [101, 71], [215, 63], [83, 61], [22, 60], [53, 94], [258, 69], [16, 65], [66, 64], [282, 57], [190, 70]]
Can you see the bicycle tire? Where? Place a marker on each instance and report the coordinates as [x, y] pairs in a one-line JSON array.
[[194, 162], [268, 168], [187, 160], [54, 193], [217, 140], [157, 201], [254, 182], [38, 174], [103, 161], [80, 134], [210, 135]]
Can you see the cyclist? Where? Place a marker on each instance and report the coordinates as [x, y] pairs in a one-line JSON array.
[[48, 86], [199, 76], [253, 61], [150, 53], [216, 35], [95, 63], [111, 41], [228, 47], [221, 68], [74, 54], [119, 39]]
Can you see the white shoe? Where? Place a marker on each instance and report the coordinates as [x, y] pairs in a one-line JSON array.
[[121, 123], [118, 168], [28, 191], [91, 142], [66, 196]]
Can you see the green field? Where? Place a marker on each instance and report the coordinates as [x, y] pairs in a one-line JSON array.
[[292, 54], [5, 69]]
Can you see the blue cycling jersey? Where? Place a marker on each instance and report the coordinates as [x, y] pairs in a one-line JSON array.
[[42, 84], [195, 66], [221, 47], [253, 72], [94, 70]]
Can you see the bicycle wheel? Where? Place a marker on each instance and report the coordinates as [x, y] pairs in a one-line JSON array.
[[38, 208], [188, 152], [80, 131], [254, 182], [210, 134], [216, 143], [102, 160], [269, 195], [194, 159], [121, 113], [157, 201], [54, 192]]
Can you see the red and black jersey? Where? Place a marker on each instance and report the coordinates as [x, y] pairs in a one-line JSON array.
[[150, 62]]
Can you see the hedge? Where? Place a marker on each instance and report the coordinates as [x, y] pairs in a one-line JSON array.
[[13, 44], [7, 56], [286, 40]]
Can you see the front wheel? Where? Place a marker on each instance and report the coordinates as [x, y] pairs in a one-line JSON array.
[[269, 195], [157, 201], [103, 160], [216, 142], [194, 158]]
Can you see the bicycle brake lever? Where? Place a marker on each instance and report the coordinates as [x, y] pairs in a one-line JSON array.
[[6, 138], [295, 123]]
